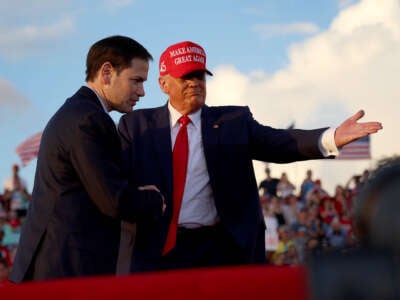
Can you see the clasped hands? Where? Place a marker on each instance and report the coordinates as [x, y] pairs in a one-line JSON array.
[[154, 188]]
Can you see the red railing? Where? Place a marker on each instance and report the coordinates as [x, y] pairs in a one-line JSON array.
[[246, 282]]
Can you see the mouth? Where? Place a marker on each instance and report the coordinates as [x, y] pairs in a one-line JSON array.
[[194, 94]]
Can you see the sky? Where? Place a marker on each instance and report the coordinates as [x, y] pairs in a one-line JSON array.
[[312, 63]]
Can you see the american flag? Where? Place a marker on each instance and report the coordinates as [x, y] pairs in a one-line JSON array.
[[359, 149], [29, 149]]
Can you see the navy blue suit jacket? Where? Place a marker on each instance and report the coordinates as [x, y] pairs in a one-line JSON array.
[[79, 196], [231, 140]]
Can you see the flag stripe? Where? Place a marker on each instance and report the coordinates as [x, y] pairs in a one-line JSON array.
[[359, 149], [29, 149]]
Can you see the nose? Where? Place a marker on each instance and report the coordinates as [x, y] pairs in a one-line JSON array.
[[140, 90]]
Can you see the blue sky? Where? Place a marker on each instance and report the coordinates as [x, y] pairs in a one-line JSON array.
[[310, 62]]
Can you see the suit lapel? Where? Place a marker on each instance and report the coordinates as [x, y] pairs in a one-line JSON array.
[[162, 142], [210, 134]]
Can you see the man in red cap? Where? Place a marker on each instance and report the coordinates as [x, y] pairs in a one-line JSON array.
[[201, 159]]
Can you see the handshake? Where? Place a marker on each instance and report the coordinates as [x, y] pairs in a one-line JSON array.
[[154, 188]]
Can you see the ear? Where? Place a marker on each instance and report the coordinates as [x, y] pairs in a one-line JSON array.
[[163, 82], [106, 71]]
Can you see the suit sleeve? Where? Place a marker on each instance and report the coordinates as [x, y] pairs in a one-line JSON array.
[[96, 157], [126, 145], [283, 145]]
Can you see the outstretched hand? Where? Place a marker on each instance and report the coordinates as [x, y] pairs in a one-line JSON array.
[[350, 130]]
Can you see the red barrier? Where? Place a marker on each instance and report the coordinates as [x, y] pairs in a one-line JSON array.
[[258, 282]]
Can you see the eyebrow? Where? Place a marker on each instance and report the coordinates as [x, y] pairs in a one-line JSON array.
[[136, 77]]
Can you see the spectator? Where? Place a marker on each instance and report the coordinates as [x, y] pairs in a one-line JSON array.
[[276, 208], [285, 242], [278, 259], [316, 228], [336, 235], [313, 199], [306, 185], [12, 231], [364, 178], [15, 193], [347, 222], [341, 202], [271, 233], [5, 254], [327, 210], [290, 208], [302, 220], [292, 256], [268, 185], [317, 189], [3, 220], [353, 186], [3, 206], [300, 239], [285, 188]]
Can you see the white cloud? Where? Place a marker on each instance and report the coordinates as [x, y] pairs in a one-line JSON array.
[[34, 26], [270, 30], [29, 39], [352, 65], [32, 9]]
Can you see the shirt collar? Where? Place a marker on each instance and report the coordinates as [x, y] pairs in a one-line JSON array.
[[175, 115], [99, 98]]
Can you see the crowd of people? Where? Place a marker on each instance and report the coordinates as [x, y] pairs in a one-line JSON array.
[[299, 224], [310, 222], [14, 203]]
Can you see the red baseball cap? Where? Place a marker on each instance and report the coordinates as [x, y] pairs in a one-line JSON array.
[[14, 222], [183, 58]]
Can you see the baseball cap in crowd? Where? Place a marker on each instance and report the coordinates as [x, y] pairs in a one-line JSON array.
[[183, 58], [14, 223]]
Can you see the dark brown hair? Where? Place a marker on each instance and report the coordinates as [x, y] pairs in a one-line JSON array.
[[118, 50]]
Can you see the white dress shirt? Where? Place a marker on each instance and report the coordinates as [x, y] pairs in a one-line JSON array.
[[198, 206]]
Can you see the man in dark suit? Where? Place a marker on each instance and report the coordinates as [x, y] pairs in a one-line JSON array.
[[80, 193], [218, 214]]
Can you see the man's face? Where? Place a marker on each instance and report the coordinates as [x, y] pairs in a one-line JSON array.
[[187, 94], [126, 87]]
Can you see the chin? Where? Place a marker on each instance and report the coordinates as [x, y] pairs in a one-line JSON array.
[[123, 110], [197, 102]]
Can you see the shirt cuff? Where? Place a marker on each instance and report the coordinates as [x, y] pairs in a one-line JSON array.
[[327, 144]]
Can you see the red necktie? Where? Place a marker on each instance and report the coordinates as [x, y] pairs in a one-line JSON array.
[[180, 155]]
